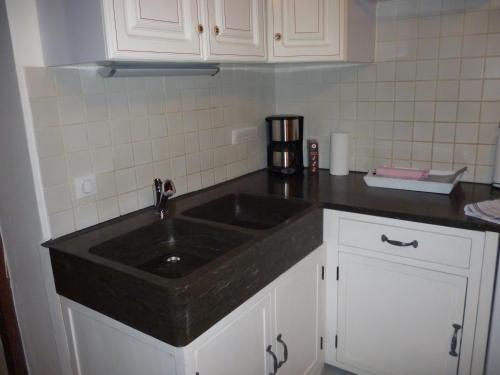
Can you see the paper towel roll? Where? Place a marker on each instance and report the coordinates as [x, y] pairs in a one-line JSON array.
[[339, 154], [496, 171]]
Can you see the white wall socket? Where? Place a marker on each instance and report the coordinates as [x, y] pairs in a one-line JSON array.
[[85, 186], [244, 135]]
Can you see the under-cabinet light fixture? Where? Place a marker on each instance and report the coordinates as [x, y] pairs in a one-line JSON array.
[[145, 70]]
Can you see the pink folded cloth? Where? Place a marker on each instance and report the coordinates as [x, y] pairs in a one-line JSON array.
[[408, 174]]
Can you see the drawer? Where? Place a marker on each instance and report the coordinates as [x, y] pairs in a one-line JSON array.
[[396, 240]]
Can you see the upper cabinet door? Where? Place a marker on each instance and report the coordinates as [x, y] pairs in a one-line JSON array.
[[153, 29], [237, 29], [310, 30]]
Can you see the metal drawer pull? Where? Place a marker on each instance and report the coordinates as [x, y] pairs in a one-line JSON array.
[[454, 340], [285, 351], [275, 360], [399, 243]]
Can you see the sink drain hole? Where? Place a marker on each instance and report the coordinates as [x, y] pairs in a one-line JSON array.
[[172, 259]]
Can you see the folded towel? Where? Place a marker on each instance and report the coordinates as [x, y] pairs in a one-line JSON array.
[[408, 174], [486, 210]]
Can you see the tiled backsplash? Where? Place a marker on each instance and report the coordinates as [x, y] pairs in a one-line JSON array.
[[128, 130], [431, 100]]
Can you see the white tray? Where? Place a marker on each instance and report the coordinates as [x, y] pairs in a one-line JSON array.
[[441, 182]]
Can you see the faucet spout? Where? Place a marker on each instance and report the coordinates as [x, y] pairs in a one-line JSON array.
[[162, 193]]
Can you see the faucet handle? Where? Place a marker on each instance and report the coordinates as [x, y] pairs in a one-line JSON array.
[[168, 188]]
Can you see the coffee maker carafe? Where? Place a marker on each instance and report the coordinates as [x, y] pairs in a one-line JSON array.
[[284, 151]]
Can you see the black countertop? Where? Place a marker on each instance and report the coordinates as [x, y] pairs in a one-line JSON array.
[[178, 310]]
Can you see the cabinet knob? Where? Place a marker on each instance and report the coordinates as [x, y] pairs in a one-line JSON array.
[[216, 30], [277, 36], [200, 28]]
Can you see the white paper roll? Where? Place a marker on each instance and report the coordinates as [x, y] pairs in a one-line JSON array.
[[496, 171], [339, 154]]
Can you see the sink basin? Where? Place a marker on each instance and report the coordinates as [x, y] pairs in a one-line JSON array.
[[248, 211], [170, 248]]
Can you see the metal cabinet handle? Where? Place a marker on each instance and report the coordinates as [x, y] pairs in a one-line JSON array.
[[275, 359], [454, 340], [216, 30], [285, 350], [277, 36], [399, 243]]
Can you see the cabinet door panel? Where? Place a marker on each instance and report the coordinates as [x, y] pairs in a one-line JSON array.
[[397, 319], [307, 28], [166, 26], [240, 347], [299, 299], [236, 28]]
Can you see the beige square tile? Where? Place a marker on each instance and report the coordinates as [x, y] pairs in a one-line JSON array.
[[442, 152], [67, 81], [61, 223], [102, 160], [179, 167], [125, 180], [476, 22], [465, 154], [423, 131], [71, 109], [161, 148], [142, 152], [493, 45], [98, 134], [40, 82], [75, 138], [421, 151], [144, 175], [468, 112], [107, 209], [49, 142], [466, 133], [139, 129], [45, 112], [123, 156], [444, 132], [53, 170], [106, 186], [491, 90], [128, 202]]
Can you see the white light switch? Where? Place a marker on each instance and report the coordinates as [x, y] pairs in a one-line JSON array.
[[85, 186], [244, 135]]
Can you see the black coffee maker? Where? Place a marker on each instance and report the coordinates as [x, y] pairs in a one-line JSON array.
[[284, 152]]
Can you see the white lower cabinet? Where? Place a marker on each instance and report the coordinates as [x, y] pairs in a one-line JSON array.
[[408, 298], [398, 319], [277, 331]]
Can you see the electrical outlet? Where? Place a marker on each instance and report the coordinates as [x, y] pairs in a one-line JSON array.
[[244, 135], [85, 186]]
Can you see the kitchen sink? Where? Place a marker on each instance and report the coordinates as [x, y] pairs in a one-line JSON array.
[[170, 248], [248, 211]]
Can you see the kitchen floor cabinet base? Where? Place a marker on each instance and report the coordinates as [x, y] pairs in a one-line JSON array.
[[288, 313], [401, 301]]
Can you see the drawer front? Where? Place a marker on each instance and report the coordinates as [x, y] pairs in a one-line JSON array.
[[409, 243]]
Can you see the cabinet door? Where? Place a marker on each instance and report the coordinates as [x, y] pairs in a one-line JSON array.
[[306, 29], [240, 347], [236, 30], [155, 29], [299, 306], [397, 319]]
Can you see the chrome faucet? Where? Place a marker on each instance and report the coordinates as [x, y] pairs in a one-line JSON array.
[[162, 193]]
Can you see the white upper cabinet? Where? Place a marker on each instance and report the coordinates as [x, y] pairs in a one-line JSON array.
[[75, 32], [321, 30], [152, 29], [236, 30]]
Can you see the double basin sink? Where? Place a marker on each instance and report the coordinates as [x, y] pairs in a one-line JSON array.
[[174, 248], [173, 279]]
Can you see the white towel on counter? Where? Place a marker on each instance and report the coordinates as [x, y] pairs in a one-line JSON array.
[[487, 210]]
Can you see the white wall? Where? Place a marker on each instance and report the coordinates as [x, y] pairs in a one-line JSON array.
[[19, 219], [127, 131], [431, 99]]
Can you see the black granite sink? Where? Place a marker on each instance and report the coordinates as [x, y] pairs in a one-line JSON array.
[[170, 248], [248, 211]]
